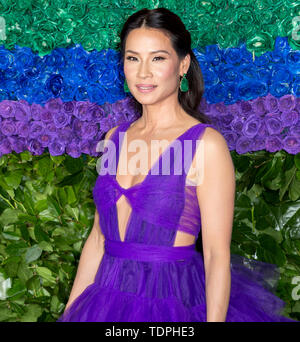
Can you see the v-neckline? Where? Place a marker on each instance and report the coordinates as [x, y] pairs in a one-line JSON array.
[[155, 163]]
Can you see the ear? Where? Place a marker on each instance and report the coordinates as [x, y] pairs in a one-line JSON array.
[[185, 64]]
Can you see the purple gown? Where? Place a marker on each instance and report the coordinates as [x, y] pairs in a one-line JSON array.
[[144, 278]]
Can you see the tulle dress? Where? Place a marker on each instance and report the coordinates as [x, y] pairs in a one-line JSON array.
[[145, 278]]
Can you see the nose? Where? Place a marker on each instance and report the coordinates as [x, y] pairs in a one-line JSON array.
[[144, 70]]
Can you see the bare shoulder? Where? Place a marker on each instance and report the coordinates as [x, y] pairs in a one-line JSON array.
[[214, 140]]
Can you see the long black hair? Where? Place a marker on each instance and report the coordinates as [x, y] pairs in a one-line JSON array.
[[171, 24]]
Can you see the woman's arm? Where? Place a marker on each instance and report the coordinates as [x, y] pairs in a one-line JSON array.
[[90, 259], [91, 254], [216, 196]]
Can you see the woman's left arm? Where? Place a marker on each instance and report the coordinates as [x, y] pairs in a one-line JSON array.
[[216, 196]]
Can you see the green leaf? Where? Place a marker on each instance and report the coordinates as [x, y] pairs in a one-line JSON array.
[[297, 160], [71, 195], [24, 273], [271, 251], [11, 236], [73, 165], [13, 179], [5, 284], [39, 234], [24, 231], [294, 190], [18, 289], [71, 179], [16, 248], [46, 274], [33, 253], [9, 216], [41, 205], [263, 215], [44, 165], [53, 203], [6, 313], [34, 286], [11, 265], [33, 311], [288, 177], [46, 246]]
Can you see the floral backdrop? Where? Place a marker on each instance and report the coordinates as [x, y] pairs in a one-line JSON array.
[[61, 89]]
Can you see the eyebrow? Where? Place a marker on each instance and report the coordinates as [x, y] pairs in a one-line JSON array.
[[165, 51]]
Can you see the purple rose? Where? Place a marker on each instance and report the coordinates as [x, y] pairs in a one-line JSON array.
[[258, 143], [291, 144], [6, 109], [65, 134], [237, 125], [85, 146], [22, 129], [68, 107], [273, 143], [36, 110], [273, 123], [73, 150], [8, 127], [56, 148], [243, 144], [295, 130], [61, 119], [289, 118], [54, 105], [46, 116], [219, 108], [35, 147], [45, 139], [233, 109], [22, 113], [17, 144], [286, 103], [5, 147], [51, 128], [258, 106], [82, 112], [251, 126], [36, 128], [230, 138], [89, 130], [245, 108], [271, 104], [97, 113], [76, 127]]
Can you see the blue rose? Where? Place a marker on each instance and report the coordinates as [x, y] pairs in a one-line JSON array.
[[252, 89], [214, 54]]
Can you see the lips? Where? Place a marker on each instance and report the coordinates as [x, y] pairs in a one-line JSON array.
[[146, 86]]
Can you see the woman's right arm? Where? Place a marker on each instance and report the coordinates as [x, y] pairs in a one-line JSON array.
[[90, 259], [91, 254]]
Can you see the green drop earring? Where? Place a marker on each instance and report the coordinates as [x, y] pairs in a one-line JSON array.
[[126, 89], [184, 84]]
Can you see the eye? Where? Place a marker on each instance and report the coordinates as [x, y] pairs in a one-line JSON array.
[[159, 58], [130, 57]]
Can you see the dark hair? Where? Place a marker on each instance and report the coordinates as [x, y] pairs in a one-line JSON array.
[[171, 24]]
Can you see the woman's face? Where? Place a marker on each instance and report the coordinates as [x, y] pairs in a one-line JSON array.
[[146, 64]]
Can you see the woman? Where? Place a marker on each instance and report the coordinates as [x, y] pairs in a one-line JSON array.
[[139, 262]]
